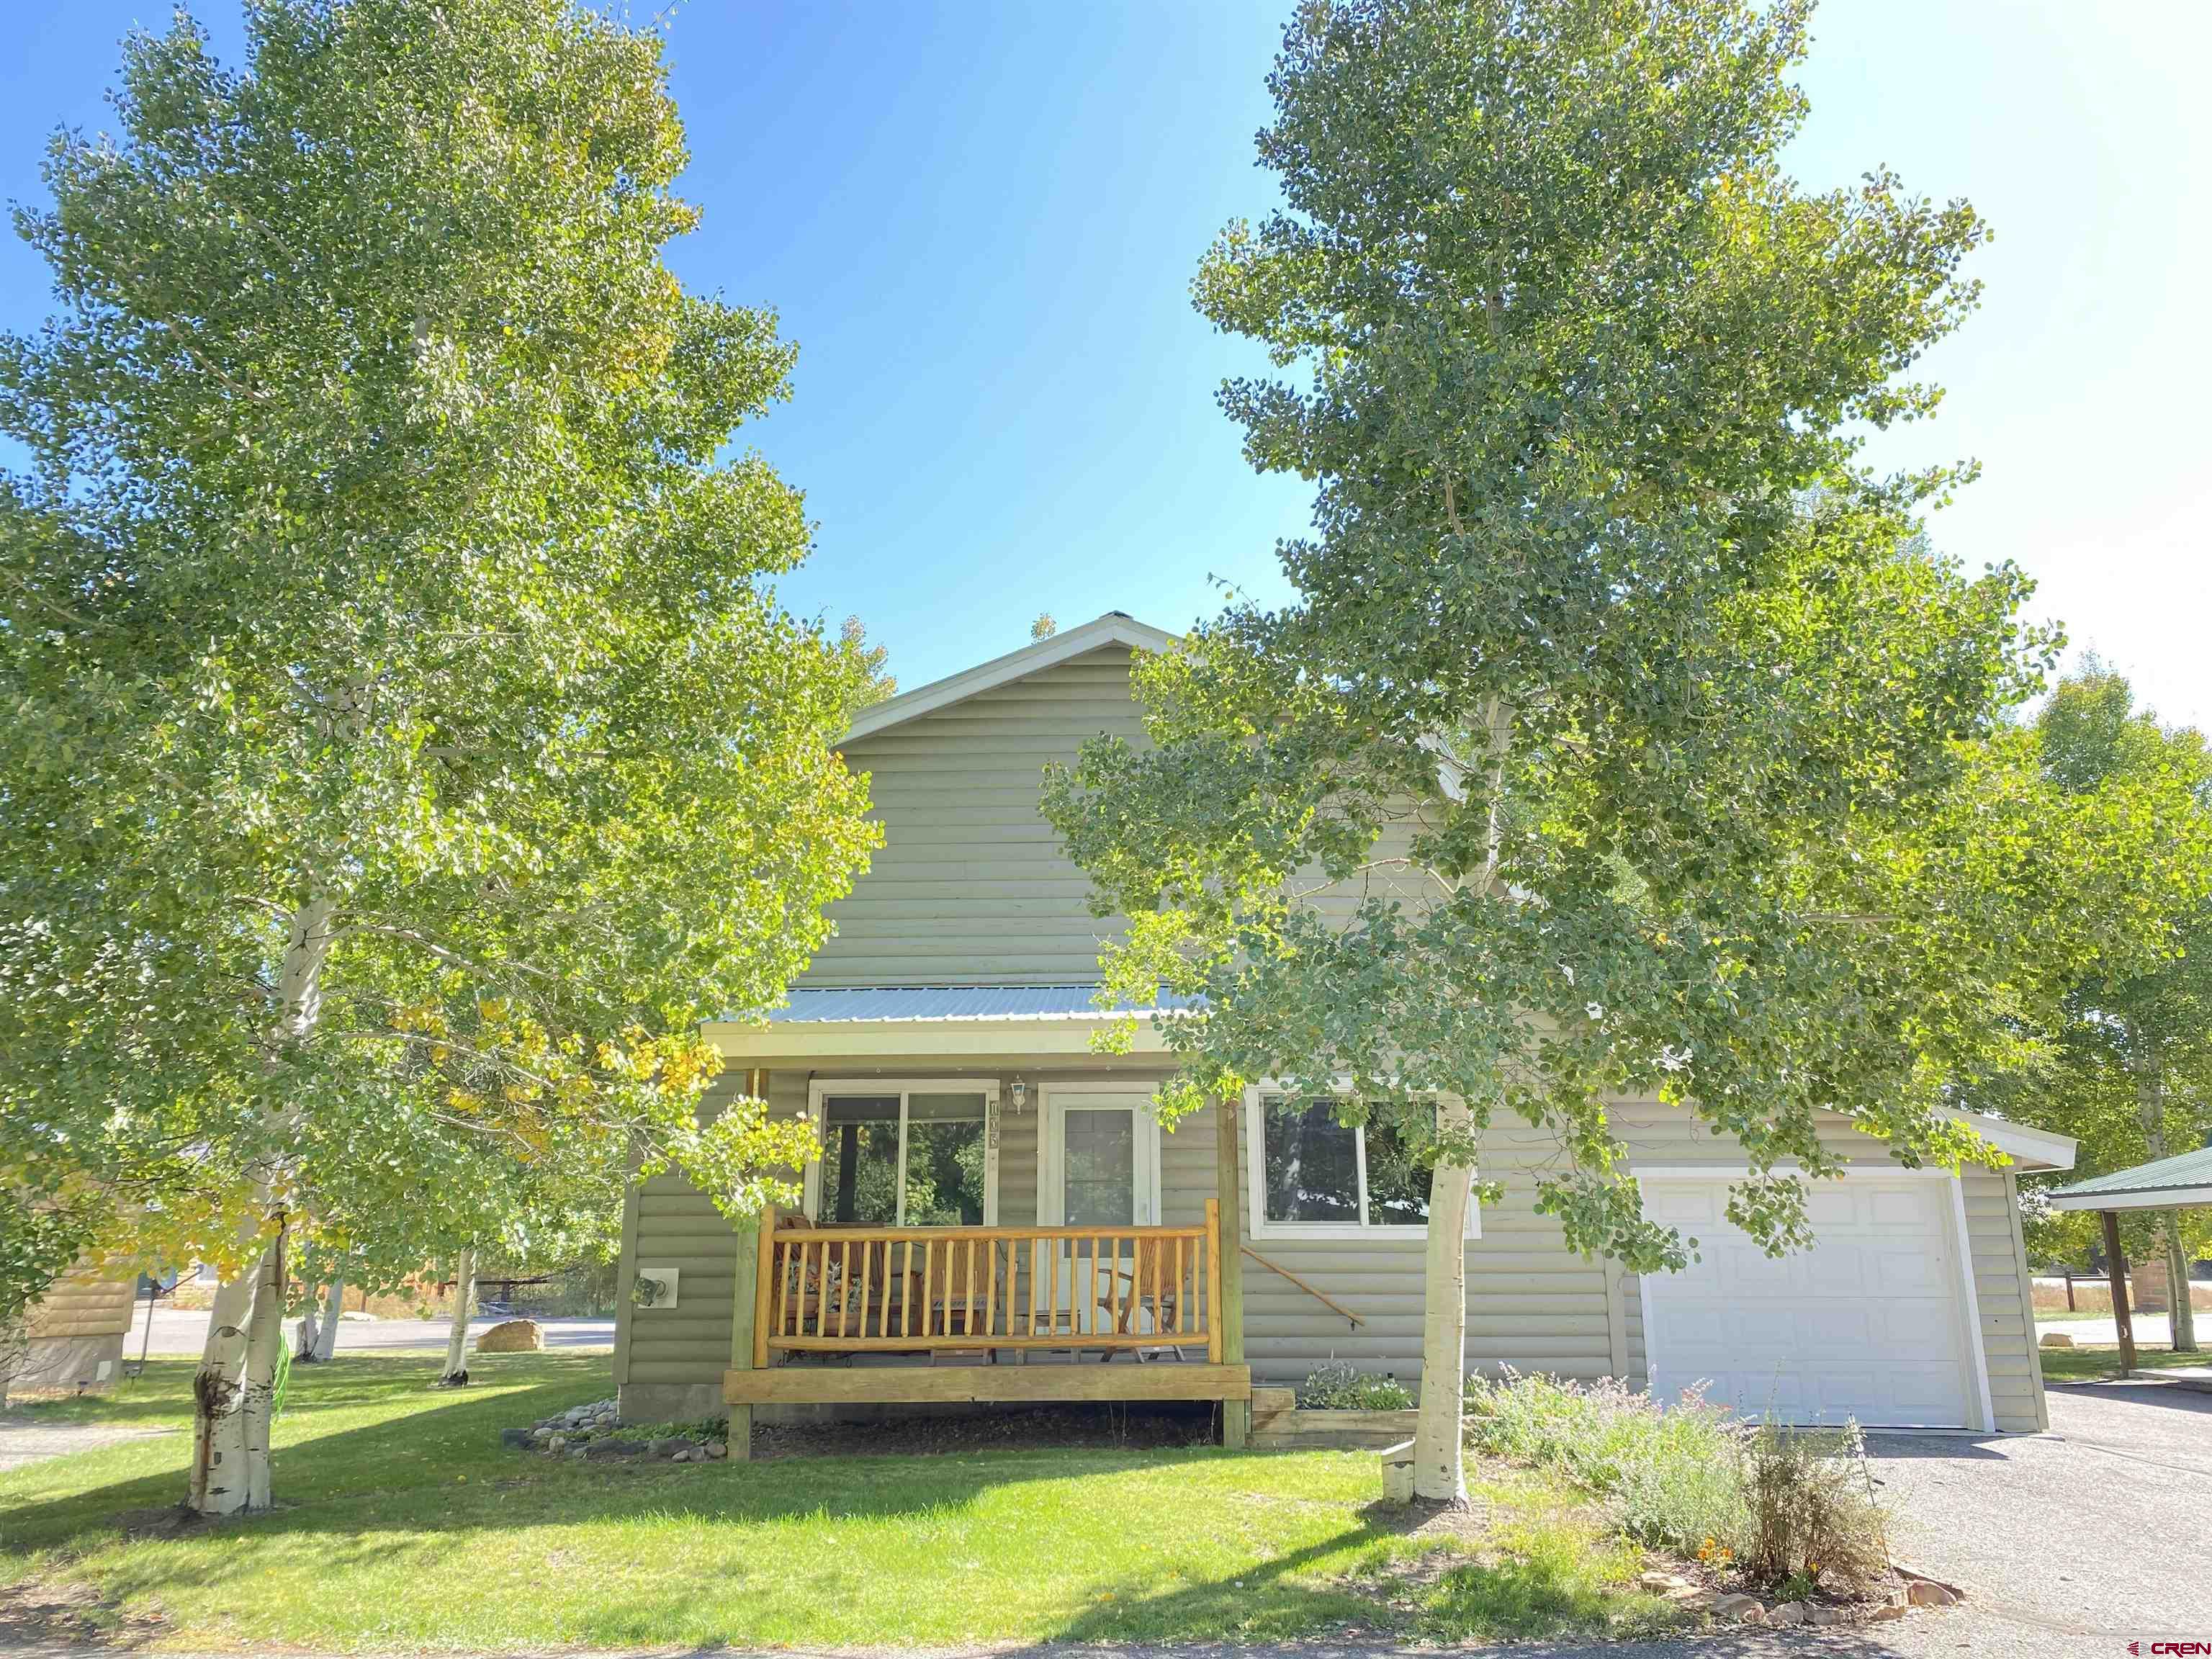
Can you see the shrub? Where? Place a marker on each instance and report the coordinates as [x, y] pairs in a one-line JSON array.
[[1690, 1479], [1336, 1386], [1671, 1474], [1812, 1507]]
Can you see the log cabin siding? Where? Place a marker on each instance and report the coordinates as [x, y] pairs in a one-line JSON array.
[[84, 1302]]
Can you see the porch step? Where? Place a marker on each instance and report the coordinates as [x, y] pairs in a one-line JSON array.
[[1269, 1404]]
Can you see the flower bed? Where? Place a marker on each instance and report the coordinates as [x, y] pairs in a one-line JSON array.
[[1766, 1524]]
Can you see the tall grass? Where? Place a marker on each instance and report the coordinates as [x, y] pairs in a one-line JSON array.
[[1692, 1479], [1672, 1477]]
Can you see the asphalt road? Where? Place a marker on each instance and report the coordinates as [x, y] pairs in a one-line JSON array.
[[183, 1332]]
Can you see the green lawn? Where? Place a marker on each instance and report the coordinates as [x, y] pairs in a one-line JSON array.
[[2084, 1364], [404, 1524]]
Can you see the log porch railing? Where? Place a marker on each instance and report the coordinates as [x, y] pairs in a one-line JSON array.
[[910, 1290]]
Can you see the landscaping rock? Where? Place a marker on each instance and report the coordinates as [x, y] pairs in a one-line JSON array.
[[1893, 1610], [2056, 1339], [662, 1446], [717, 1449], [1747, 1610], [556, 1442], [518, 1439], [513, 1336], [1927, 1593], [1825, 1616], [1788, 1613], [607, 1450], [1664, 1584]]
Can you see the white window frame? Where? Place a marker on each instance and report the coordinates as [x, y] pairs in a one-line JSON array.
[[820, 1091], [1363, 1230], [1053, 1100]]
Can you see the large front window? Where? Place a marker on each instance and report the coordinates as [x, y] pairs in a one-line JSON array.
[[904, 1155], [1314, 1176]]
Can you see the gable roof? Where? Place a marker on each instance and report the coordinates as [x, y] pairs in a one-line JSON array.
[[1114, 627], [2031, 1149], [2164, 1183]]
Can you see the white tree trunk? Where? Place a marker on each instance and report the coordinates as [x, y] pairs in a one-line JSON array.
[[1439, 1465], [2150, 1106], [327, 1337], [457, 1340], [319, 1327], [2183, 1314], [232, 1393]]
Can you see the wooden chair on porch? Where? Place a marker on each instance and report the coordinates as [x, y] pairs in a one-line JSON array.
[[1151, 1279], [884, 1296]]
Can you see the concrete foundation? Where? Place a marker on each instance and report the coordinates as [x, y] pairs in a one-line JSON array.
[[672, 1402]]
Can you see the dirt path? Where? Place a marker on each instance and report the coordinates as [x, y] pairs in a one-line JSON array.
[[28, 1440]]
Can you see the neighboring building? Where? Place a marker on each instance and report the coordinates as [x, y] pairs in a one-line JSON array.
[[942, 1041], [76, 1333]]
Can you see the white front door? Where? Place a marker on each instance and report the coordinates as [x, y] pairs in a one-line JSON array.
[[1868, 1323], [1099, 1167]]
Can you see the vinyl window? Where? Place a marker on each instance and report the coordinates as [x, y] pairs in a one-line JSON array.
[[1313, 1177]]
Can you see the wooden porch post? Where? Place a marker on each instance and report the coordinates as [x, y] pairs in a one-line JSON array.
[[749, 1298], [2116, 1267], [754, 1249], [1229, 1316]]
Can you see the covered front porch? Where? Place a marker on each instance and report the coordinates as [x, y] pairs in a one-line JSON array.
[[996, 1216]]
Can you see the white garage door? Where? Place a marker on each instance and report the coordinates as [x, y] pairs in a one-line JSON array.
[[1867, 1324]]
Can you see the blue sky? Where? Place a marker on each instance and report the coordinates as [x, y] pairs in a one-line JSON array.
[[979, 222]]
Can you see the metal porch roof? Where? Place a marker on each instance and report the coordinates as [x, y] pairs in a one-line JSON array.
[[902, 1003], [2185, 1178]]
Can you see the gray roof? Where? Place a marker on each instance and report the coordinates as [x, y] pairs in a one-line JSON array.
[[939, 1002], [2187, 1175]]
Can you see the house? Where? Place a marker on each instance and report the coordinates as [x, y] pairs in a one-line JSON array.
[[73, 1333], [997, 1216]]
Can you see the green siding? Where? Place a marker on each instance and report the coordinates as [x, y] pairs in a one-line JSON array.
[[971, 887]]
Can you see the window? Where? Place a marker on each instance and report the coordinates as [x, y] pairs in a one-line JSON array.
[[904, 1154], [1314, 1177]]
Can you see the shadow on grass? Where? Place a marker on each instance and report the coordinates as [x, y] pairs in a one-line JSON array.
[[368, 1477], [430, 1478], [315, 1466]]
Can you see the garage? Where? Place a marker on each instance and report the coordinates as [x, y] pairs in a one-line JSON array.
[[1874, 1322]]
